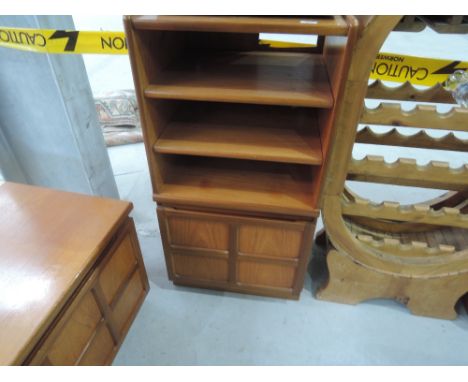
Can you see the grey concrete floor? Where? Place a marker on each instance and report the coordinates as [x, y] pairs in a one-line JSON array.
[[186, 326]]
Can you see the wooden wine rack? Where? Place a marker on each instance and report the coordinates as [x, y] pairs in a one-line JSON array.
[[416, 254]]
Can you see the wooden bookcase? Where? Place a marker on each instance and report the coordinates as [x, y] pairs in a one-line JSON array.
[[235, 133]]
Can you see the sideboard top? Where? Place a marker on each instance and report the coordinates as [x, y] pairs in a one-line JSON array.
[[49, 240]]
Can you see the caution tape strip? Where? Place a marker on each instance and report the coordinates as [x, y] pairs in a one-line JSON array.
[[63, 41], [387, 66], [416, 70]]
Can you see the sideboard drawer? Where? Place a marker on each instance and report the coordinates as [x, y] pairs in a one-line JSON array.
[[129, 302], [69, 338], [116, 271], [101, 349], [91, 327]]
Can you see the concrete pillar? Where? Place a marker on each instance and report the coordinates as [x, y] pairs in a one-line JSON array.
[[50, 135], [9, 166]]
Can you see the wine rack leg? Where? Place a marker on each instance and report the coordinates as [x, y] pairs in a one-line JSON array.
[[351, 283]]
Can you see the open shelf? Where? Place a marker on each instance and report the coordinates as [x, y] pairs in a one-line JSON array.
[[320, 25], [238, 184], [266, 133], [274, 78]]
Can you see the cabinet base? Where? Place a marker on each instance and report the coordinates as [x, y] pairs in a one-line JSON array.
[[260, 256], [244, 289]]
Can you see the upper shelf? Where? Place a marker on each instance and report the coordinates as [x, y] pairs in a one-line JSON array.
[[273, 78], [321, 25], [267, 133]]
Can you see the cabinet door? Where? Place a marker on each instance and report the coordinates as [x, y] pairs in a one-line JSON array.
[[93, 324], [256, 255], [196, 246], [268, 254]]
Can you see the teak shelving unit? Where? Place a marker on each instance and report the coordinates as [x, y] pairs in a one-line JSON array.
[[416, 254], [235, 133]]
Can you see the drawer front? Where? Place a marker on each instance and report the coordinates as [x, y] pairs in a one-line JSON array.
[[235, 252], [93, 324]]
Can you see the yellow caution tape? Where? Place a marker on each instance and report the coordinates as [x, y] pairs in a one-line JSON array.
[[63, 41], [285, 44], [416, 70], [387, 66]]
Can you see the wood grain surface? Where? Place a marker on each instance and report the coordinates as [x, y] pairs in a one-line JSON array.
[[294, 79], [49, 240], [321, 25]]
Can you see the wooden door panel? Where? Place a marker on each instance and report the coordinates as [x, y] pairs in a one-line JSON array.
[[265, 274], [117, 270], [269, 241], [198, 233], [128, 302], [76, 333], [100, 350], [200, 267]]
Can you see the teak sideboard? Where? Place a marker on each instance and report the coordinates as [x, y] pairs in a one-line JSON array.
[[236, 131], [71, 277]]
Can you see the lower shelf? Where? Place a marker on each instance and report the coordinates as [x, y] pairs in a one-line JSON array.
[[239, 184], [250, 255]]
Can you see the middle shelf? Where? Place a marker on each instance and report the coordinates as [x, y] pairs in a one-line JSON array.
[[266, 133]]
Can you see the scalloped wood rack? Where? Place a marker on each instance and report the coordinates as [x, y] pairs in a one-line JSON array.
[[416, 254]]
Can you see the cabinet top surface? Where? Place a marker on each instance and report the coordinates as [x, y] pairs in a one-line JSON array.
[[48, 241], [322, 25]]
